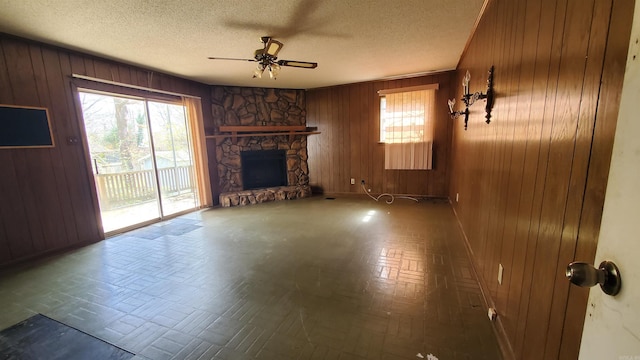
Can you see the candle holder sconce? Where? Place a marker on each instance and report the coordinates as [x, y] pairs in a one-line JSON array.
[[456, 114], [469, 99]]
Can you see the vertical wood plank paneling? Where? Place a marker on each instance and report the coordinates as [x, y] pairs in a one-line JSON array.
[[336, 116], [541, 57], [530, 198], [501, 151], [89, 67], [559, 174], [70, 164], [16, 239], [114, 72], [521, 73], [523, 131], [442, 149], [48, 193], [88, 221], [102, 69], [326, 140], [349, 170], [21, 79], [78, 65], [5, 251], [322, 139], [348, 117], [317, 117], [605, 124], [6, 97], [371, 121], [557, 12], [14, 215], [377, 149], [48, 202], [354, 133], [312, 144], [143, 78], [124, 74], [597, 20], [328, 170], [365, 134]]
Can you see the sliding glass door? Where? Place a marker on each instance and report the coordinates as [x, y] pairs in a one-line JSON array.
[[141, 156], [173, 157]]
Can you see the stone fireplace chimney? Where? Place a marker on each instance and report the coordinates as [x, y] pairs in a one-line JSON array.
[[234, 106]]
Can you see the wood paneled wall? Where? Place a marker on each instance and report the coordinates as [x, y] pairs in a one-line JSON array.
[[47, 200], [348, 117], [531, 184]]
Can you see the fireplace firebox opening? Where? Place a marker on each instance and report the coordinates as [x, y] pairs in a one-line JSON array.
[[263, 169]]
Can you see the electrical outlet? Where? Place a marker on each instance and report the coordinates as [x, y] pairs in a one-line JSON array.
[[500, 272], [73, 140], [492, 314], [353, 181], [362, 182]]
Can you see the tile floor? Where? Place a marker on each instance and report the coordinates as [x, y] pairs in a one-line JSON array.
[[307, 279]]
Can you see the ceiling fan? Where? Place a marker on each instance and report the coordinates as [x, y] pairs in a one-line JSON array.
[[267, 59]]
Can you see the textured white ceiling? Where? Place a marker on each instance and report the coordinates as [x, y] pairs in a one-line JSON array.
[[351, 40]]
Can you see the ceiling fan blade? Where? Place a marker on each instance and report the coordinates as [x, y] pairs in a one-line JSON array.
[[273, 47], [222, 58], [299, 64]]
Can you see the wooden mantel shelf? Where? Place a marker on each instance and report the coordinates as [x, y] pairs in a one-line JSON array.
[[234, 132]]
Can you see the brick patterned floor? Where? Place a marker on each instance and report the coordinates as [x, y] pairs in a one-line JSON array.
[[305, 279]]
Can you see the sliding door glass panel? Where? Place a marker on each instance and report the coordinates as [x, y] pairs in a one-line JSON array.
[[120, 149], [173, 157]]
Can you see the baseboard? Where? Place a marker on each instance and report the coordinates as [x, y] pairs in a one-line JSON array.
[[47, 255], [498, 327]]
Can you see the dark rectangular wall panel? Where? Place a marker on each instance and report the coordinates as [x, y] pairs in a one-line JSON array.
[[25, 127]]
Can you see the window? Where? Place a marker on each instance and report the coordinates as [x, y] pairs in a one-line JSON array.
[[407, 119]]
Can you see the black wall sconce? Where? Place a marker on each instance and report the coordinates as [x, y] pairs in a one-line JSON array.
[[469, 99]]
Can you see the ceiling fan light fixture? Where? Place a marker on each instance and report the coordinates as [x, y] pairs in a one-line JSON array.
[[257, 73], [274, 71], [267, 59]]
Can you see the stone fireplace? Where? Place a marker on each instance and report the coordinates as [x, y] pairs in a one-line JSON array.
[[234, 106]]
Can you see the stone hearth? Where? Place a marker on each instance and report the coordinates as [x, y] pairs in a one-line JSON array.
[[250, 197]]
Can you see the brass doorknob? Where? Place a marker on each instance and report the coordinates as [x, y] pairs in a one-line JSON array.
[[606, 275]]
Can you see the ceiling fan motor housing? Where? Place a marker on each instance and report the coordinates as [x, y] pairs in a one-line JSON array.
[[261, 55]]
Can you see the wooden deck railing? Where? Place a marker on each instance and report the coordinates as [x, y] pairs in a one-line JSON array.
[[121, 189]]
